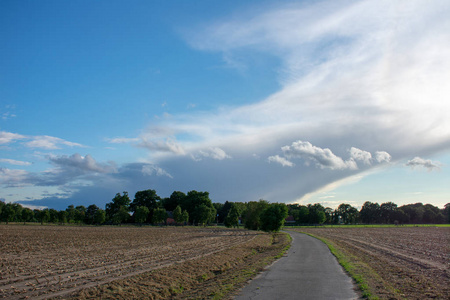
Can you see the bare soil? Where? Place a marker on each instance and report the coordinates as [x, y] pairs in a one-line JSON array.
[[397, 263], [41, 262]]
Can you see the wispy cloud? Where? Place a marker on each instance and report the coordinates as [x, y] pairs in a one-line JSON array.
[[9, 137], [49, 142], [41, 142], [15, 162], [428, 164], [280, 160]]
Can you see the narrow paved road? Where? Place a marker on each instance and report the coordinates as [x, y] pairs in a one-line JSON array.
[[308, 271]]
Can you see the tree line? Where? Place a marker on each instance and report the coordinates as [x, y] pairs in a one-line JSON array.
[[197, 208], [147, 207], [370, 213]]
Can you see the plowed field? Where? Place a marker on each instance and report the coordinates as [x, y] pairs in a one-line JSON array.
[[398, 263], [39, 262]]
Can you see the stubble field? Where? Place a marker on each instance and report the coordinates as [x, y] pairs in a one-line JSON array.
[[397, 263], [41, 262]]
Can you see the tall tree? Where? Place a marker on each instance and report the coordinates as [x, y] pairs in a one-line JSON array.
[[27, 215], [147, 198], [387, 211], [347, 213], [252, 214], [370, 213], [90, 214], [316, 213], [193, 201], [119, 204], [301, 214], [232, 219]]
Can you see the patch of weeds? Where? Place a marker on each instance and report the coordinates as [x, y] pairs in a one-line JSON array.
[[176, 290]]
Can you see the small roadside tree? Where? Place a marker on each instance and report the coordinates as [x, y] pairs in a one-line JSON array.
[[272, 218]]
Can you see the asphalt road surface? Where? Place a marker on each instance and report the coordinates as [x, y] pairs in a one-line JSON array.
[[308, 271]]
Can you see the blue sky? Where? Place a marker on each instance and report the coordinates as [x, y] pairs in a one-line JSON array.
[[290, 101]]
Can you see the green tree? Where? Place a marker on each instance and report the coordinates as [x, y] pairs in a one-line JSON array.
[[120, 203], [70, 213], [27, 215], [446, 212], [54, 218], [387, 211], [347, 213], [99, 216], [185, 217], [121, 216], [328, 215], [178, 215], [89, 217], [44, 216], [80, 214], [272, 218], [301, 214], [193, 201], [141, 214], [232, 219], [8, 213], [62, 216], [159, 216], [252, 214], [370, 213], [204, 214], [316, 214], [175, 199]]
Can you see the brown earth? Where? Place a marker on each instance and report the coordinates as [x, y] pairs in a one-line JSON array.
[[397, 263], [41, 262]]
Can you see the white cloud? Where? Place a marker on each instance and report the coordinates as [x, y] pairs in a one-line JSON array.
[[382, 156], [123, 140], [167, 145], [323, 158], [214, 153], [424, 163], [154, 170], [9, 137], [360, 155], [15, 162], [49, 142], [280, 160]]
